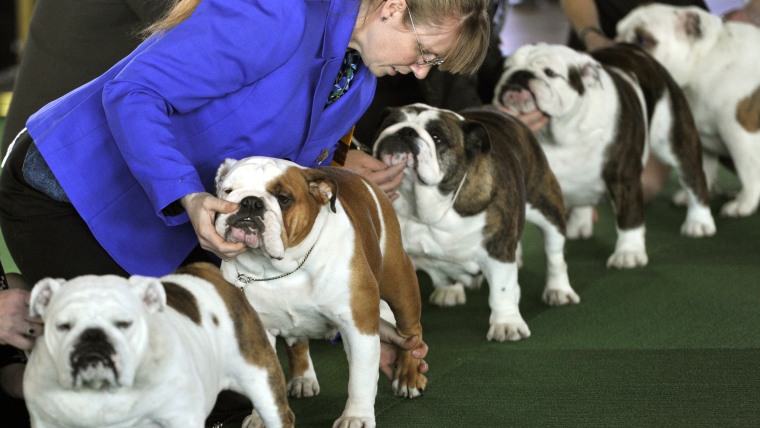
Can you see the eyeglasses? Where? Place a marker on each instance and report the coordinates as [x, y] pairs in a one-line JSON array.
[[432, 61]]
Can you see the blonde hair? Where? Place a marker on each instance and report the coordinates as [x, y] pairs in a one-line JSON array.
[[471, 46], [181, 10], [466, 56]]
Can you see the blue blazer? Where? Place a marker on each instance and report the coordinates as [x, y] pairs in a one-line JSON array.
[[236, 79]]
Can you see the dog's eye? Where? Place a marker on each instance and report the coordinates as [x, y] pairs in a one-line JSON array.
[[123, 325], [549, 72], [436, 138], [643, 41], [226, 191], [284, 199], [64, 326]]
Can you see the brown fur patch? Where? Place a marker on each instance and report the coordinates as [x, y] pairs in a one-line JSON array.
[[249, 332], [182, 301], [389, 274], [298, 358], [366, 262], [748, 111], [495, 184], [622, 169], [299, 216]]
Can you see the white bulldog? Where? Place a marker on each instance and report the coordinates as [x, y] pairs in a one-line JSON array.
[[607, 111], [473, 179], [148, 352], [717, 63], [324, 249]]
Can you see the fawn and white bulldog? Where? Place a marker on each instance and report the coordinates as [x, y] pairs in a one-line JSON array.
[[607, 111], [473, 179], [717, 65], [324, 248], [145, 352]]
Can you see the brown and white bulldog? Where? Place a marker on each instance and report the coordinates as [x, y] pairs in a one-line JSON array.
[[145, 351], [324, 249], [473, 179], [607, 111], [717, 63]]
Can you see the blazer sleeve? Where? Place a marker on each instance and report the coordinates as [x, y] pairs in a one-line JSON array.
[[223, 46]]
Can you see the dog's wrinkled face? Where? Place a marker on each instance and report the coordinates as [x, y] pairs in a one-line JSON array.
[[670, 34], [549, 78], [96, 328], [279, 201], [435, 143]]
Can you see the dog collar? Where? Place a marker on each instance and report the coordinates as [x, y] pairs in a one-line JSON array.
[[246, 279]]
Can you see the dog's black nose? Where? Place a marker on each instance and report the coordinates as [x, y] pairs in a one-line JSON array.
[[92, 346], [92, 335], [520, 80], [407, 131], [252, 203]]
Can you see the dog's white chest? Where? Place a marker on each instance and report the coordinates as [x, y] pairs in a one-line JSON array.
[[297, 309]]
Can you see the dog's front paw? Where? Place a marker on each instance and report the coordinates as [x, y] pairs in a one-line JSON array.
[[355, 422], [580, 223], [452, 295], [626, 259], [407, 379], [698, 228], [303, 387], [512, 332]]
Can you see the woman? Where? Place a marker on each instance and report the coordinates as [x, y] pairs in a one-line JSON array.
[[132, 154]]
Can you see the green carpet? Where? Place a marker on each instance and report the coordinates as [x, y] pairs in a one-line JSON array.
[[676, 343]]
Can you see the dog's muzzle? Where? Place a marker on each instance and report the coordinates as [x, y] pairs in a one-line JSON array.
[[402, 141], [92, 361], [247, 224]]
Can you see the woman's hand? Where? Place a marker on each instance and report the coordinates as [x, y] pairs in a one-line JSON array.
[[388, 178], [390, 345], [16, 327], [535, 120], [202, 209]]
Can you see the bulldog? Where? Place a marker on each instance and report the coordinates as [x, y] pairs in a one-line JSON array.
[[607, 112], [324, 248], [716, 64], [472, 180], [146, 352]]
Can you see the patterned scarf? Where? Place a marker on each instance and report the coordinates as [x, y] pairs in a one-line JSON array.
[[345, 75]]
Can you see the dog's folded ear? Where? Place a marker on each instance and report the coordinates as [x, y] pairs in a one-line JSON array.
[[41, 295], [692, 24], [476, 138], [222, 172], [323, 188], [150, 290]]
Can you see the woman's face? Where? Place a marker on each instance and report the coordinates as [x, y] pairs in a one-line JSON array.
[[390, 46]]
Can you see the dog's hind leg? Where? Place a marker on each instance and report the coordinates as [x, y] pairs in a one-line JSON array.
[[558, 291], [303, 378]]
